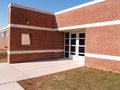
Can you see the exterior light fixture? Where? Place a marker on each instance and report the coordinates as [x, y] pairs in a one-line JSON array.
[[27, 21]]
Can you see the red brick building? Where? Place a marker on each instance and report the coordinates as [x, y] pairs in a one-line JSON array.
[[88, 33]]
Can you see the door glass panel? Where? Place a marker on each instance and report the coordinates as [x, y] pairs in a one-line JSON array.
[[81, 41], [67, 41], [73, 35], [81, 50], [74, 45], [72, 48], [66, 54], [66, 35], [73, 41], [72, 53], [66, 48], [82, 35], [81, 54]]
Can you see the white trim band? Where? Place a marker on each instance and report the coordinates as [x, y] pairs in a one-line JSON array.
[[115, 22], [30, 27], [33, 51], [80, 6], [100, 56]]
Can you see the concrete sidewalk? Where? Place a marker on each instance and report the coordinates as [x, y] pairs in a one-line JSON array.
[[10, 73]]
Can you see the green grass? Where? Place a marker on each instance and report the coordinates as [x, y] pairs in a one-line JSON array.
[[77, 79]]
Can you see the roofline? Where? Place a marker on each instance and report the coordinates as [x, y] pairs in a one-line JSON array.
[[59, 12], [56, 13], [79, 6], [4, 29], [29, 8]]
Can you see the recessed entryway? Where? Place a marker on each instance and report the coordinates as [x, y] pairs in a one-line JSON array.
[[75, 46]]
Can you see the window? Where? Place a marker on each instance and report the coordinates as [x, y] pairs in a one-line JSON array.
[[81, 41], [25, 39], [66, 48], [72, 53], [66, 35], [81, 54], [81, 49], [67, 41], [72, 48], [3, 34], [6, 34], [73, 41], [81, 44], [66, 54], [73, 35], [82, 35]]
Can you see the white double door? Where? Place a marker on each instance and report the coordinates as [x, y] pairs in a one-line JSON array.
[[77, 46]]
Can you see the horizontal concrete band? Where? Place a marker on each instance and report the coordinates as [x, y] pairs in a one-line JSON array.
[[30, 27], [34, 51], [99, 24], [101, 56]]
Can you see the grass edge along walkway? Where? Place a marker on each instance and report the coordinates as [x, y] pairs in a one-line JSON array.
[[76, 79]]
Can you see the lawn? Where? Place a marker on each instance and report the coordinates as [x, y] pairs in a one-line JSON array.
[[3, 55], [77, 79]]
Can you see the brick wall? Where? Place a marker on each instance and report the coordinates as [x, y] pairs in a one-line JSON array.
[[99, 40], [35, 57], [58, 39], [103, 64], [105, 41], [3, 43], [104, 11], [40, 39], [30, 57], [20, 15]]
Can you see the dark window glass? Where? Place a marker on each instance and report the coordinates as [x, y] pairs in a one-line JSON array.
[[73, 35], [72, 48], [66, 54], [81, 49], [81, 41], [67, 41], [73, 41], [81, 54], [72, 53], [66, 35], [82, 35], [66, 48]]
